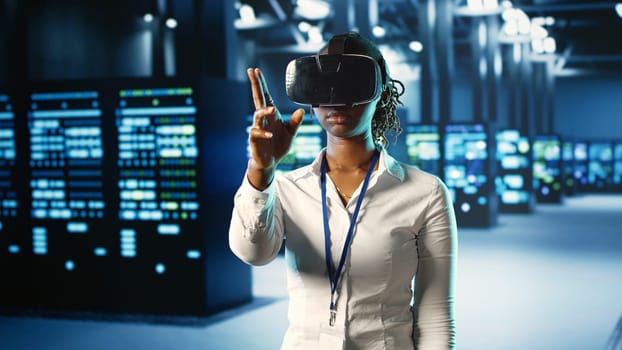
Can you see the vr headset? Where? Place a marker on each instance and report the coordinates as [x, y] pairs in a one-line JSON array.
[[333, 80]]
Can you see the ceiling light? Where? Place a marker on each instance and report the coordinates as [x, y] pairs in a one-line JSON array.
[[304, 26], [490, 4], [378, 31], [312, 9], [247, 13], [315, 35], [475, 4], [538, 32], [416, 46], [510, 28], [171, 23], [524, 26], [549, 45], [619, 9], [148, 18], [549, 21], [537, 46]]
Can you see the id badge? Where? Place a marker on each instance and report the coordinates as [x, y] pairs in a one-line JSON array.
[[331, 338]]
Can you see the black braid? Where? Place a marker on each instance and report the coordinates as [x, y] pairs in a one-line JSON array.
[[385, 119]]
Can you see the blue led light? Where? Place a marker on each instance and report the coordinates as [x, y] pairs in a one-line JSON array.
[[160, 268], [75, 113], [168, 229], [128, 243], [100, 251], [77, 227], [77, 95], [157, 111], [465, 207], [193, 254], [70, 265]]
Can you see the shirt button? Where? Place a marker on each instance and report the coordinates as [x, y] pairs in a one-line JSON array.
[[260, 201]]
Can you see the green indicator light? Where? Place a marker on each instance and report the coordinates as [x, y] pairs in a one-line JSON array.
[[155, 102]]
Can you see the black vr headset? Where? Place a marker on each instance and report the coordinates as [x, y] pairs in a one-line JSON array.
[[333, 79]]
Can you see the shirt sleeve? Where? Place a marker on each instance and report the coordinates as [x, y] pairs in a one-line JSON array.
[[434, 324], [256, 230]]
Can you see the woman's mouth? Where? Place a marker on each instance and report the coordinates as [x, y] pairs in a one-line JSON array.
[[337, 117]]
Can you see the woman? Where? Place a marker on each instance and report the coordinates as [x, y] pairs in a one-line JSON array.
[[359, 225]]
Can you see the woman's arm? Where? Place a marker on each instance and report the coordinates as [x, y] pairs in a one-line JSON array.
[[256, 230], [437, 246]]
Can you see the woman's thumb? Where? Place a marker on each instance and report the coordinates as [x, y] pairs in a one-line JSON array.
[[296, 120]]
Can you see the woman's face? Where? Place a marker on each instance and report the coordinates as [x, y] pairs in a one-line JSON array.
[[345, 121]]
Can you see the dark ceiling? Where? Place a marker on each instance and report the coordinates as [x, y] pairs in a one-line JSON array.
[[587, 33]]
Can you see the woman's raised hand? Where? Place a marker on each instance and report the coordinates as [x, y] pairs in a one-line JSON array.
[[270, 136]]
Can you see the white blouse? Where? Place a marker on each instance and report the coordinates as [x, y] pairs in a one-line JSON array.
[[406, 229]]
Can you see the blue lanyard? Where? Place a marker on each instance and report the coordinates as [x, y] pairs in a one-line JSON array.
[[334, 275]]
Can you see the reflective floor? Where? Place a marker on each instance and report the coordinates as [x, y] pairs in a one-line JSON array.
[[548, 280]]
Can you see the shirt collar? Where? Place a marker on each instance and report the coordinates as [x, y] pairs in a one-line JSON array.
[[386, 163]]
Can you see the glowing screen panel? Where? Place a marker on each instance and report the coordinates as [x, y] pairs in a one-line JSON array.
[[65, 159], [102, 206], [568, 167], [467, 172], [8, 195], [513, 165], [423, 147], [547, 172], [580, 164], [600, 166], [157, 185], [617, 166]]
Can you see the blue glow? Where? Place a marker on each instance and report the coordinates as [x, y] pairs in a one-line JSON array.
[[39, 240], [70, 265], [153, 111], [514, 181], [155, 92], [193, 254], [128, 243], [160, 268], [68, 136], [13, 249], [514, 197], [74, 113], [77, 95], [77, 227], [465, 207], [100, 251], [6, 115], [168, 229]]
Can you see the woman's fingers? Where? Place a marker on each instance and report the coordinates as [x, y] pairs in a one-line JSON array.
[[256, 88], [264, 87], [295, 120], [263, 117], [259, 134]]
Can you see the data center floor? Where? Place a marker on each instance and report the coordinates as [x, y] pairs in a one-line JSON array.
[[547, 280]]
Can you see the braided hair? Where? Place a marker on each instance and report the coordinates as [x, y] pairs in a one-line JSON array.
[[386, 120]]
